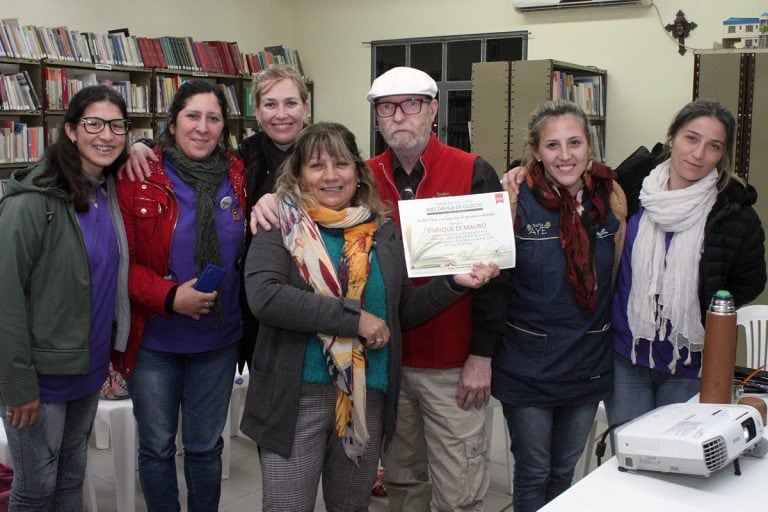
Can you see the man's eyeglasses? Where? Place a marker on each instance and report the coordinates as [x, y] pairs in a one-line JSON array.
[[96, 125], [408, 107]]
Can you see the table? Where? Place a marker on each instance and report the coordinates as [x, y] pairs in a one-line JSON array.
[[608, 489]]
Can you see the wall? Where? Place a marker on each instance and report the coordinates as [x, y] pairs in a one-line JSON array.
[[252, 23], [647, 79]]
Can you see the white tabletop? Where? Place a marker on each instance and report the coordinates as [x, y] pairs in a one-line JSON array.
[[608, 489]]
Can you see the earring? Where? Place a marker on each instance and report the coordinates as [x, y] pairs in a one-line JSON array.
[[358, 183], [74, 141]]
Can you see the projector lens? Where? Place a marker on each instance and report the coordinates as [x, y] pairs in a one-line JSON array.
[[749, 429]]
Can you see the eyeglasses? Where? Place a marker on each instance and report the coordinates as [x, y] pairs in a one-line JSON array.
[[97, 124], [409, 107]]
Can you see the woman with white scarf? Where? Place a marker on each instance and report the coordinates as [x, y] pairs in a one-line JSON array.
[[695, 232]]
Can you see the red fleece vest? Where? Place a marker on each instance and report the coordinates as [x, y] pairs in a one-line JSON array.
[[442, 342]]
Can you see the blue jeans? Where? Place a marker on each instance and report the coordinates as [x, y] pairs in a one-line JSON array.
[[200, 385], [49, 457], [637, 390], [546, 443]]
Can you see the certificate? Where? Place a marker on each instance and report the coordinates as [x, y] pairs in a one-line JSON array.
[[446, 235]]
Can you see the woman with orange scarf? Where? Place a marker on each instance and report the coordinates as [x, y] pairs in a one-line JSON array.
[[331, 293]]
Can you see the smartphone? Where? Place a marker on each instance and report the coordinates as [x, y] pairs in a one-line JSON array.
[[209, 279]]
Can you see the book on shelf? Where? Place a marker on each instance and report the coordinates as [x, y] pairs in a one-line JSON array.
[[192, 56], [159, 55], [224, 56], [31, 35], [269, 56], [117, 43], [584, 90], [17, 40], [598, 141], [248, 102], [55, 89], [18, 93], [176, 57], [149, 54], [166, 87], [19, 143], [234, 51], [187, 60], [170, 59], [230, 93]]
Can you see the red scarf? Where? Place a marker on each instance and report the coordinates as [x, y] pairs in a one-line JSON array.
[[577, 227]]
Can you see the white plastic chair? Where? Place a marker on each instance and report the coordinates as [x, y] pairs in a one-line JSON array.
[[754, 319], [117, 416]]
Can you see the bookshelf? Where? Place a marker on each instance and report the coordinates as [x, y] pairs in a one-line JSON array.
[[505, 93], [43, 67]]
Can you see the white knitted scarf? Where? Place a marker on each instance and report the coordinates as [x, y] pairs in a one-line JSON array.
[[665, 283]]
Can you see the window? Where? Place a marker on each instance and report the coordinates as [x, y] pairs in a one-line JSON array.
[[731, 29], [750, 28], [448, 60]]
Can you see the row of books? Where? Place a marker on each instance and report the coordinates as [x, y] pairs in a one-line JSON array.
[[18, 93], [586, 91], [167, 85], [61, 84], [20, 142], [119, 48], [230, 93], [597, 135], [271, 55]]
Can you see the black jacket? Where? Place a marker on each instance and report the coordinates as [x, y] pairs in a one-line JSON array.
[[262, 161], [734, 248]]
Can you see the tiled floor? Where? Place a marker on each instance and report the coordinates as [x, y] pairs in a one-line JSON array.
[[242, 491]]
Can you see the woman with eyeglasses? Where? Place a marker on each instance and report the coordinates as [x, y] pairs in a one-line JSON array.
[[183, 346], [65, 299]]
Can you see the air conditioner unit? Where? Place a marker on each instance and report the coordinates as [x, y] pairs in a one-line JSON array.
[[540, 5]]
